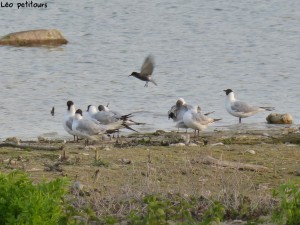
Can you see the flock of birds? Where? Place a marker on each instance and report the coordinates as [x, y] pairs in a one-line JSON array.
[[102, 120]]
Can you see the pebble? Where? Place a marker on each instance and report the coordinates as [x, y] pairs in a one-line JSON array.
[[217, 144], [266, 134], [251, 151], [290, 145], [192, 144], [90, 148], [178, 144], [77, 185], [185, 138]]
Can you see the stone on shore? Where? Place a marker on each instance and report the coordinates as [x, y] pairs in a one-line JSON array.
[[34, 38], [275, 118]]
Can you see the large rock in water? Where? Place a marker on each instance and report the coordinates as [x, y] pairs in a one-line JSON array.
[[34, 38], [276, 118]]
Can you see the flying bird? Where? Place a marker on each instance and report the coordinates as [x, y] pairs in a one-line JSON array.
[[146, 71]]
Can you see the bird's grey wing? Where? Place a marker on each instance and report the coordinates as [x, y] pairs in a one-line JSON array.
[[89, 127], [244, 107], [104, 117], [148, 66], [188, 106], [115, 114], [200, 118]]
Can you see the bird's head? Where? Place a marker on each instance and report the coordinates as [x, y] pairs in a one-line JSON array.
[[228, 91], [79, 112], [69, 104], [134, 74]]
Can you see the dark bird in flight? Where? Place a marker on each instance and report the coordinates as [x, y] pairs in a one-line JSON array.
[[146, 71]]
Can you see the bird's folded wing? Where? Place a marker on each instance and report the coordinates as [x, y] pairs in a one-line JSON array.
[[239, 106]]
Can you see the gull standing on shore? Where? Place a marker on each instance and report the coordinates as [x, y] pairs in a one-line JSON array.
[[68, 119], [108, 117], [178, 110], [241, 109], [91, 128], [117, 114], [146, 71], [193, 118]]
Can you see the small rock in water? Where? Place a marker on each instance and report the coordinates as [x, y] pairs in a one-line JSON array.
[[34, 38], [275, 118]]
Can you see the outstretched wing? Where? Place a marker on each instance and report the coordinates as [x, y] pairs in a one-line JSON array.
[[148, 66]]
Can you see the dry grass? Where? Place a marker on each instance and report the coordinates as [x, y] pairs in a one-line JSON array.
[[116, 179]]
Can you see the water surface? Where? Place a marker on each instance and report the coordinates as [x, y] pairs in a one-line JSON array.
[[200, 48]]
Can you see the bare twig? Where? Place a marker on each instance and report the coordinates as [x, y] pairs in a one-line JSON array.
[[236, 165], [32, 147]]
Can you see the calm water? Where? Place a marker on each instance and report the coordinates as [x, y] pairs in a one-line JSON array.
[[200, 48]]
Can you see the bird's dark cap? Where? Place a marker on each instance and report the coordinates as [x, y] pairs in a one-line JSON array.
[[69, 103], [88, 108], [227, 91], [79, 111], [133, 74], [101, 108]]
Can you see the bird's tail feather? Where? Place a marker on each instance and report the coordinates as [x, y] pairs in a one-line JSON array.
[[153, 81], [126, 116], [215, 120], [206, 114], [129, 128], [131, 122], [268, 108]]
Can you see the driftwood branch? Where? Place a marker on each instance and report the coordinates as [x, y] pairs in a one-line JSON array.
[[33, 147], [236, 165]]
